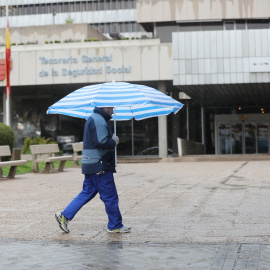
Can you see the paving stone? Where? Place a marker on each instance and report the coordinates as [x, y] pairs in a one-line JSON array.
[[38, 254], [185, 215]]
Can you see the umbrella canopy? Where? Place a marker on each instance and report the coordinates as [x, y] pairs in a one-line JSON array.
[[128, 100]]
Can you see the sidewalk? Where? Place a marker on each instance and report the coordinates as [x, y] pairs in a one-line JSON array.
[[184, 215]]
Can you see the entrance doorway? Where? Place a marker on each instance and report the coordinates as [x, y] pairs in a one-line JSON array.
[[242, 134]]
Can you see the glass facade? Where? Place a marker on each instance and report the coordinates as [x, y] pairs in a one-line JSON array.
[[223, 25], [29, 119], [115, 28], [75, 6], [164, 29], [82, 6], [245, 137]]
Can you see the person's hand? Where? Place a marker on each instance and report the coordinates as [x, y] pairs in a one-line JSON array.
[[116, 139]]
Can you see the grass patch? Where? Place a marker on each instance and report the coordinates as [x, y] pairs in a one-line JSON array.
[[27, 168]]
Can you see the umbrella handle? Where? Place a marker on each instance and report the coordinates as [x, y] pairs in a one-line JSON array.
[[114, 120], [114, 126]]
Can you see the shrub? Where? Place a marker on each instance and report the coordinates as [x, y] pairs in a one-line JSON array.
[[36, 140], [91, 39], [6, 138], [69, 20]]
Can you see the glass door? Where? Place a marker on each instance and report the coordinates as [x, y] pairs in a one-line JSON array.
[[263, 137], [237, 138], [250, 138], [224, 136], [242, 136]]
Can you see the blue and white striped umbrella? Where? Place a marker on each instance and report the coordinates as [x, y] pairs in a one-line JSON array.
[[128, 100]]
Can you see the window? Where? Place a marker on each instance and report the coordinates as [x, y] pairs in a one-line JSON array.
[[36, 9], [42, 9], [83, 6], [25, 10], [65, 7], [3, 11], [240, 24], [48, 9], [59, 8], [77, 6], [106, 5], [200, 26], [186, 27], [229, 25], [207, 26], [31, 9], [258, 24]]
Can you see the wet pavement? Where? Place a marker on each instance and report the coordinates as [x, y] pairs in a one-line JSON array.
[[185, 215], [39, 254]]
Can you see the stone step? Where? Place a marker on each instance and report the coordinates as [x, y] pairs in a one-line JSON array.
[[202, 158], [140, 159]]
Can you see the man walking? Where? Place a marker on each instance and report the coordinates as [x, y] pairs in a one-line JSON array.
[[98, 166]]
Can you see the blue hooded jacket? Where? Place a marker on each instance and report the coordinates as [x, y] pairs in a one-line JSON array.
[[98, 146]]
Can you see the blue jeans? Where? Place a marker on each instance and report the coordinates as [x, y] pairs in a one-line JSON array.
[[105, 186]]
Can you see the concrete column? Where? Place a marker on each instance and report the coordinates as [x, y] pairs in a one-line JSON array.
[[154, 30], [162, 127], [202, 123], [187, 121], [175, 126], [203, 127]]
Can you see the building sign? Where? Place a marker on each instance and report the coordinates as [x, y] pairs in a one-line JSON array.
[[260, 64], [75, 72]]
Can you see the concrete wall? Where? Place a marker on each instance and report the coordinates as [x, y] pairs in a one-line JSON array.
[[221, 57], [41, 34], [189, 10], [189, 148], [90, 62]]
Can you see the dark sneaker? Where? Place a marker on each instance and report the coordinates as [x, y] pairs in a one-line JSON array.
[[120, 230], [63, 222]]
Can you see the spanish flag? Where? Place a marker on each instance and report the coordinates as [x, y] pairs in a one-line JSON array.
[[8, 60]]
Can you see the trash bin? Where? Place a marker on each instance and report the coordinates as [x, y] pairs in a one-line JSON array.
[[65, 143]]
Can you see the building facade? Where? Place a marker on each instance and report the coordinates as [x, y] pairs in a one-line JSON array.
[[212, 55]]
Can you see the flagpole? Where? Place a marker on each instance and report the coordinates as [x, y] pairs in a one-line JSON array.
[[7, 113]]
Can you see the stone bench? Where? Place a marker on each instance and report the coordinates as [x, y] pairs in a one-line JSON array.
[[77, 149], [50, 150], [5, 151]]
